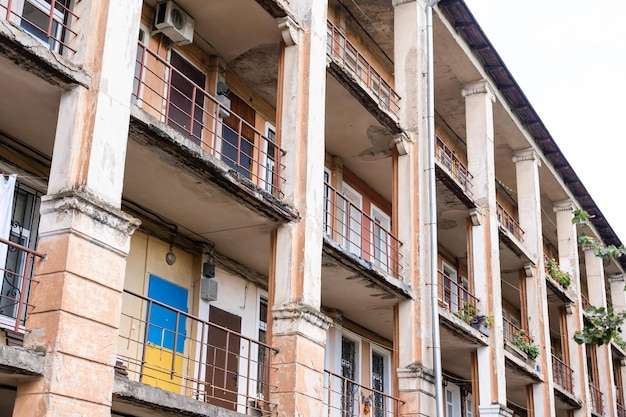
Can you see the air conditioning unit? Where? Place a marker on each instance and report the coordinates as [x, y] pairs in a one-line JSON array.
[[174, 23]]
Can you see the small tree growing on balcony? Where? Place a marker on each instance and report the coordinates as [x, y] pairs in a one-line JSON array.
[[604, 324]]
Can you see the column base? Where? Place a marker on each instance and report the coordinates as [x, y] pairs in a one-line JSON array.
[[494, 410]]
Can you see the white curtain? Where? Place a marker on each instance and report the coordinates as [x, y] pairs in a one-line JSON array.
[[7, 188]]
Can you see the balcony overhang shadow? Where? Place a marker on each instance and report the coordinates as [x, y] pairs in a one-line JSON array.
[[171, 148]]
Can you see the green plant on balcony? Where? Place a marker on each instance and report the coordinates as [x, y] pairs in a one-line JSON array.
[[525, 343], [467, 312], [619, 341], [553, 269], [602, 327]]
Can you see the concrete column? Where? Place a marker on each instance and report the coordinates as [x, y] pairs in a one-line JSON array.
[[78, 299], [597, 297], [479, 99], [298, 327], [568, 262], [415, 361], [527, 165]]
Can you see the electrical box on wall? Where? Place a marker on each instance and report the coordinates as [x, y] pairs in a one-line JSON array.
[[208, 289], [174, 23]]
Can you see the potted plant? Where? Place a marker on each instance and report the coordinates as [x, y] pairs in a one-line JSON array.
[[525, 343], [553, 269], [482, 323], [466, 313]]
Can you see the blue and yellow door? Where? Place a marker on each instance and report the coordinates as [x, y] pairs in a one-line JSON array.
[[166, 334]]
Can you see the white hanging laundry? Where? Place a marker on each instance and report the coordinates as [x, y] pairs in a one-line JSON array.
[[7, 188]]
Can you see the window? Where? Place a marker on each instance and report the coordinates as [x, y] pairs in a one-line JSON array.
[[262, 371], [349, 390], [268, 175], [469, 408], [352, 220], [140, 62], [36, 17], [380, 383], [381, 240], [24, 224], [450, 288], [453, 400]]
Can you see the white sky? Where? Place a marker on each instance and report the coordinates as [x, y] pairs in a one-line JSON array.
[[569, 58]]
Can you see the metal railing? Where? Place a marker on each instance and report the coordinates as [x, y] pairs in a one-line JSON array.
[[346, 398], [173, 98], [178, 352], [585, 302], [510, 330], [341, 50], [621, 411], [596, 399], [50, 21], [360, 234], [17, 270], [563, 375], [454, 166], [457, 299], [509, 222]]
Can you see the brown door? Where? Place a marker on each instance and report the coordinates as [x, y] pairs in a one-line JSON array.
[[223, 358], [184, 113]]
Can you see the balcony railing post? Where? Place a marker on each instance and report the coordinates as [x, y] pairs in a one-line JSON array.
[[9, 5]]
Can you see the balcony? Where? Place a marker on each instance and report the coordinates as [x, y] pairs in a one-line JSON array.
[[359, 234], [456, 299], [348, 57], [17, 279], [167, 94], [509, 222], [563, 375], [596, 399], [344, 397], [169, 349], [621, 411], [585, 302], [49, 21], [453, 165]]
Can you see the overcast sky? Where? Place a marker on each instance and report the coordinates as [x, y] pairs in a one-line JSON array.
[[569, 58]]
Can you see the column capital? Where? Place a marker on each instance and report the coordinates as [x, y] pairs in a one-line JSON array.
[[302, 320], [526, 155], [564, 205], [617, 278], [476, 216], [495, 410], [289, 30], [479, 87]]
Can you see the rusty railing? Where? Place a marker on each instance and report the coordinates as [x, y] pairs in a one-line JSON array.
[[596, 399], [621, 411], [585, 302], [17, 270], [509, 222], [170, 96], [178, 352], [341, 50], [563, 375], [454, 166], [50, 21], [359, 233], [457, 299], [346, 398]]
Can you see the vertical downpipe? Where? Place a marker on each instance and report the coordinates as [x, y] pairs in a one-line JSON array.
[[432, 201]]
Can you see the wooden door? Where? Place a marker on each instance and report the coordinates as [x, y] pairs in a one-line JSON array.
[[222, 369], [185, 113]]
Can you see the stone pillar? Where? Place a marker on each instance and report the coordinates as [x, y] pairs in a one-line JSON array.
[[527, 165], [479, 99], [82, 229], [298, 326], [414, 325], [568, 262], [597, 297]]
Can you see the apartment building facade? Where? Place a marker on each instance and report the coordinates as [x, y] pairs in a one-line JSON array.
[[221, 208]]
